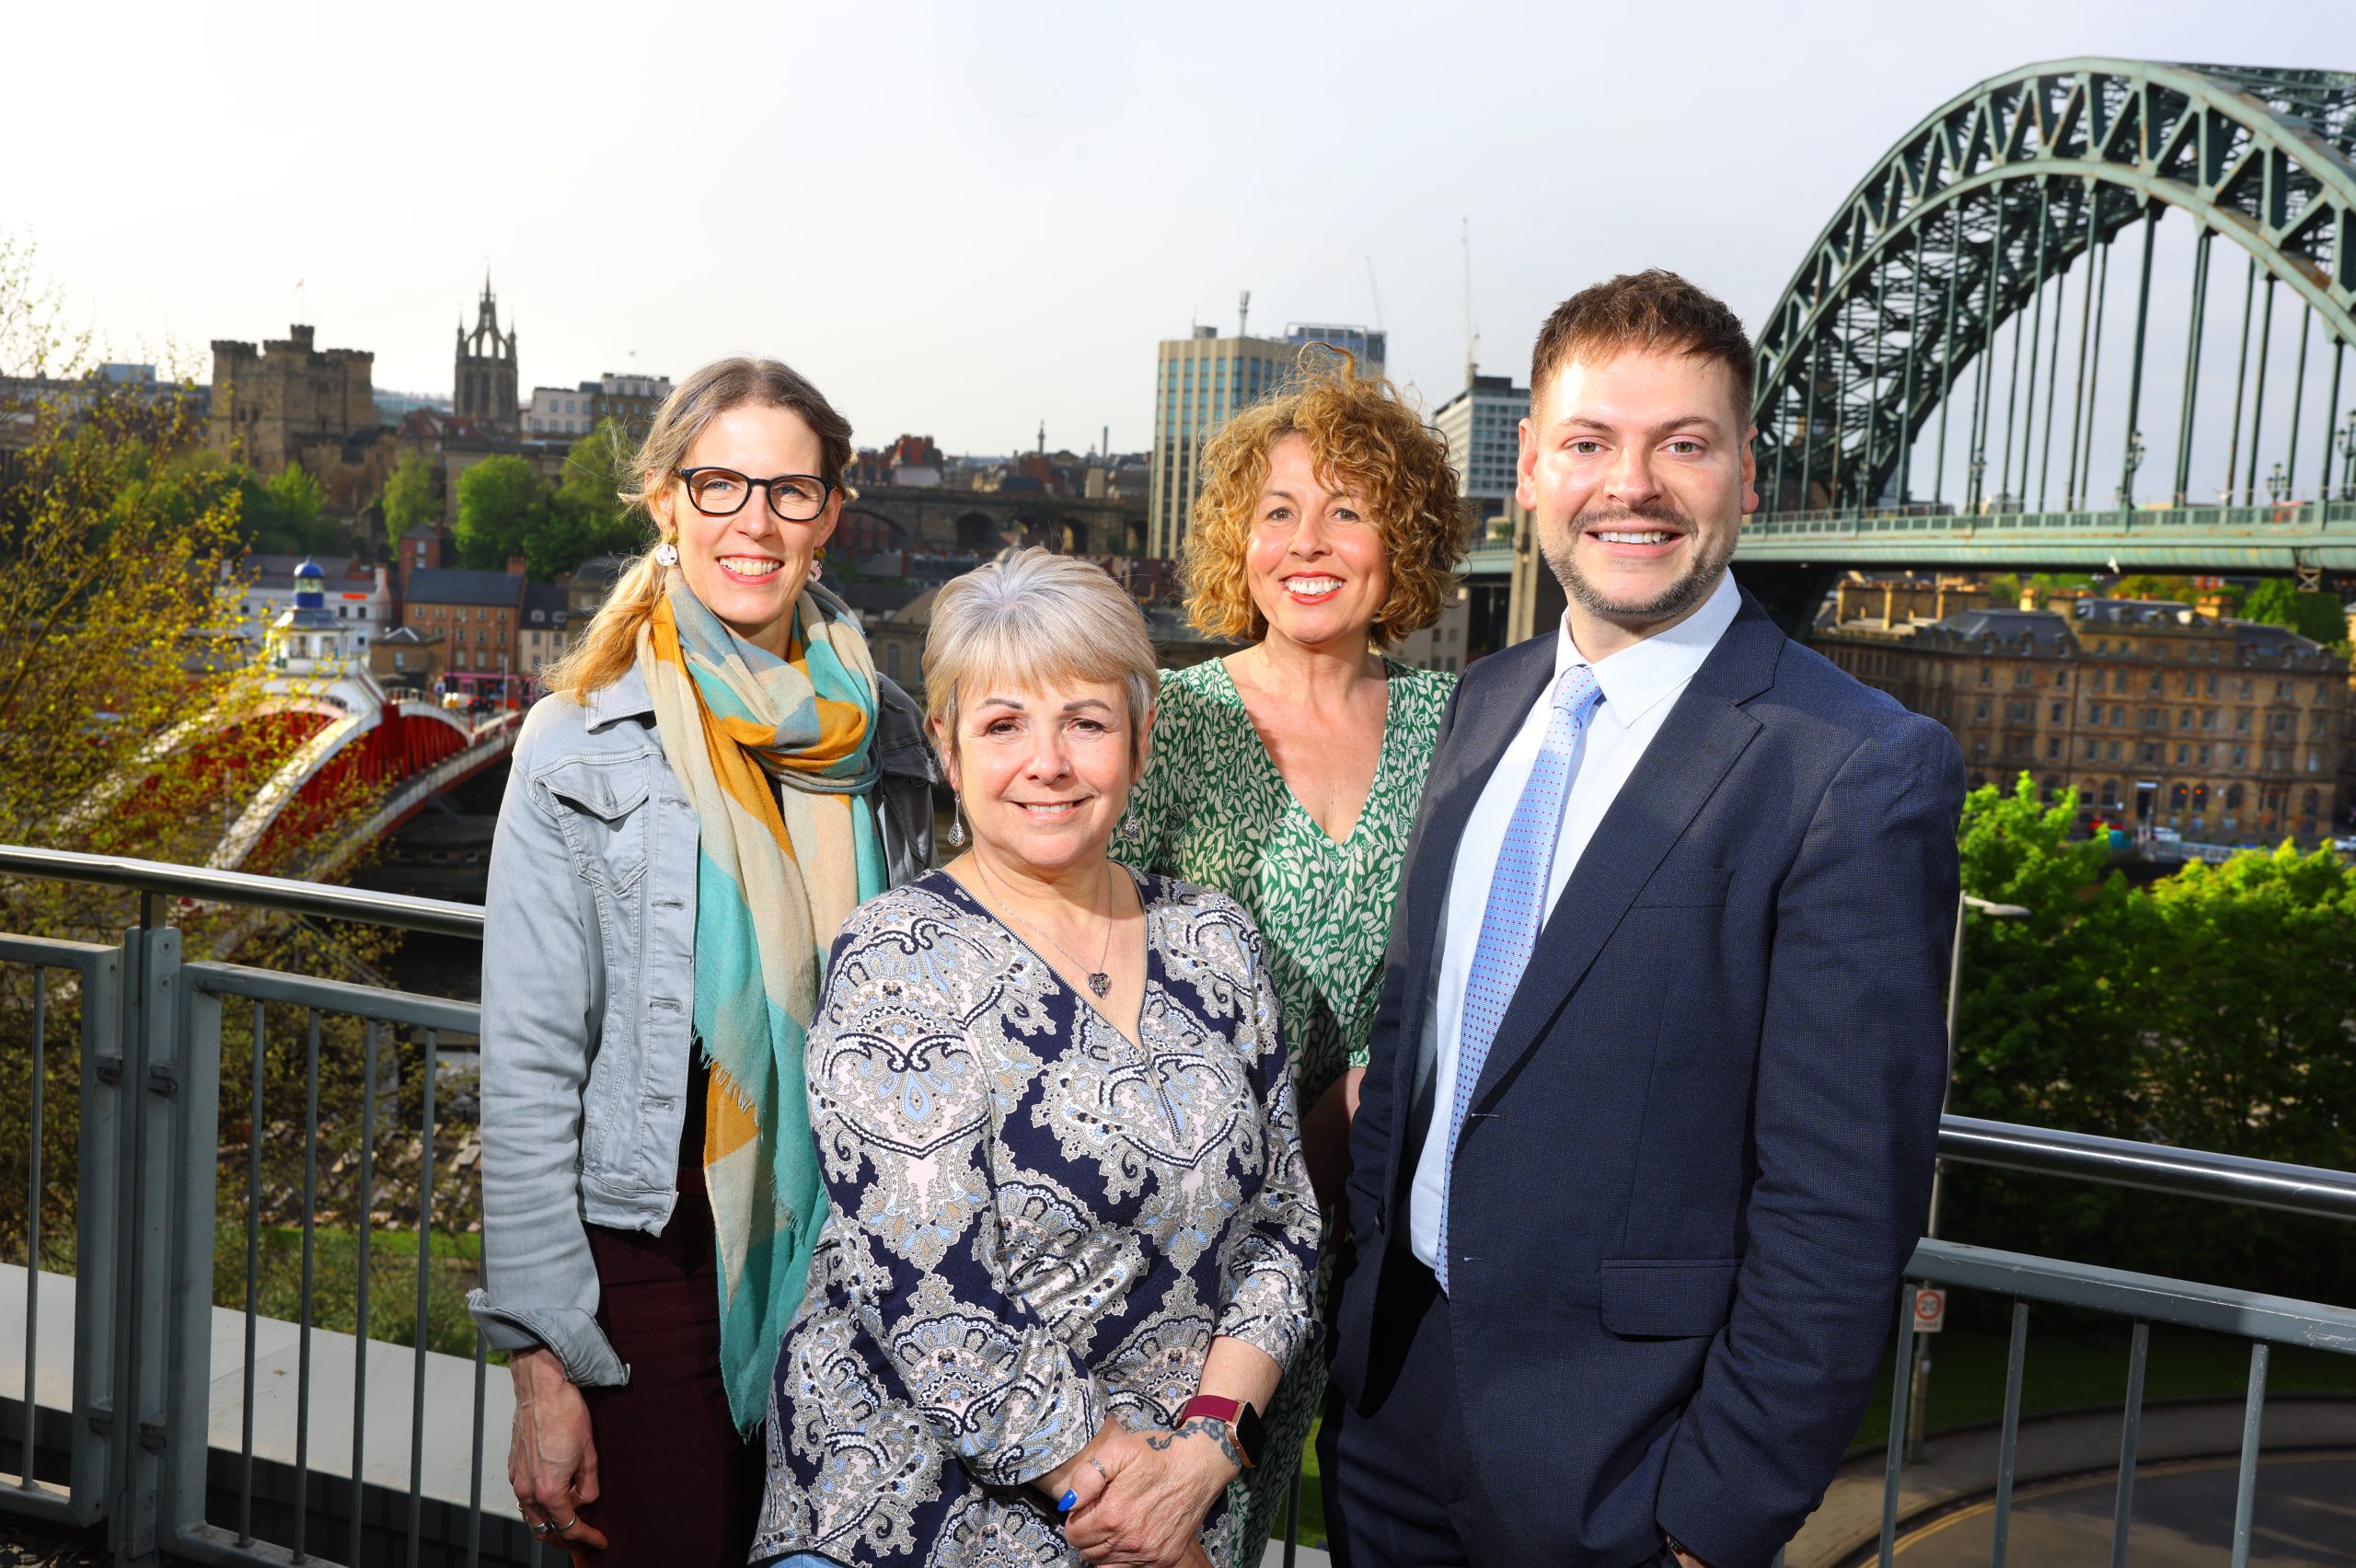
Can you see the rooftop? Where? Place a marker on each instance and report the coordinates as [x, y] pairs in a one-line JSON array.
[[460, 585]]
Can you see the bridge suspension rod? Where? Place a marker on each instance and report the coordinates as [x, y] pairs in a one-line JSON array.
[[1946, 354], [2240, 383], [2330, 411], [2035, 339], [2082, 399], [2192, 344], [2298, 402], [2258, 391], [2131, 454]]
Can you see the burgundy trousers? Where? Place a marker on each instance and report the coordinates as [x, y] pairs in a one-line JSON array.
[[679, 1488]]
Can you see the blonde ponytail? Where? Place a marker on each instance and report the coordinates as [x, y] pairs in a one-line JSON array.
[[610, 645]]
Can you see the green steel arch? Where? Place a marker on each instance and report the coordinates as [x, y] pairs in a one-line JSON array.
[[1964, 222]]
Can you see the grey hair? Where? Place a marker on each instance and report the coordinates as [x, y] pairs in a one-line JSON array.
[[1036, 617]]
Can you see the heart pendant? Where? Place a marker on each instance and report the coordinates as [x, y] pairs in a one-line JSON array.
[[1101, 984]]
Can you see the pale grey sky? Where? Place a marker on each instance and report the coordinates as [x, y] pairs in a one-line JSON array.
[[962, 219]]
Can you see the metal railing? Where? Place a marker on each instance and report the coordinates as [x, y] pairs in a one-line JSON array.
[[146, 1451]]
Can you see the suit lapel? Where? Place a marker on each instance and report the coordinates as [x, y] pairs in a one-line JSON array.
[[1494, 710], [1682, 767]]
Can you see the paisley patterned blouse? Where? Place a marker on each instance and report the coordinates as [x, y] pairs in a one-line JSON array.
[[1034, 1226]]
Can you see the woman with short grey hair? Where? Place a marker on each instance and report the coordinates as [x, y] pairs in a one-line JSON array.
[[1069, 1240]]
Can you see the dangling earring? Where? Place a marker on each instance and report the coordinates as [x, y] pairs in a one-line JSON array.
[[1130, 828], [818, 564], [666, 554], [956, 821]]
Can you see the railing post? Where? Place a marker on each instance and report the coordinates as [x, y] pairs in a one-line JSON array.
[[192, 1155], [97, 1148], [144, 1084]]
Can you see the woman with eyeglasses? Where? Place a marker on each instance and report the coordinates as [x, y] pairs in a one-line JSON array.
[[718, 779]]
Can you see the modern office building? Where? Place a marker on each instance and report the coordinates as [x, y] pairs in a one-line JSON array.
[[1368, 347], [1483, 424], [1200, 383]]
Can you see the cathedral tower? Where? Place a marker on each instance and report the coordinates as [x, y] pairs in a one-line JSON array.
[[485, 387]]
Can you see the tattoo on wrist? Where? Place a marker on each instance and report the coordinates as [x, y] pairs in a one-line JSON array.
[[1202, 1425]]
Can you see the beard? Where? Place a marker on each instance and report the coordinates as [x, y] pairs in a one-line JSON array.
[[1677, 597]]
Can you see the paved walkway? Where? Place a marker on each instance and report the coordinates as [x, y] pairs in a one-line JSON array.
[[1961, 1466], [2305, 1516], [391, 1370]]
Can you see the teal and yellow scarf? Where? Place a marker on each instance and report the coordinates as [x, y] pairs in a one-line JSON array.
[[773, 884]]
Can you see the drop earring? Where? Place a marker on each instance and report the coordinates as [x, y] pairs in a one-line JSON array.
[[818, 563], [666, 554], [956, 821], [1131, 828]]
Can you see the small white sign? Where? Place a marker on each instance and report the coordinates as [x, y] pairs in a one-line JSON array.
[[1930, 1310]]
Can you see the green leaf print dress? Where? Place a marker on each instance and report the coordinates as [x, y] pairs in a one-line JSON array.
[[1214, 810]]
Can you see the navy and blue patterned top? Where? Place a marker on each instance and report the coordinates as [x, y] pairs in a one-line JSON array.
[[1033, 1224]]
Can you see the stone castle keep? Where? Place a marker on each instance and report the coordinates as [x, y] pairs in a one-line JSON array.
[[273, 404]]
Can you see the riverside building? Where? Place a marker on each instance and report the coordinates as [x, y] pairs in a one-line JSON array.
[[2226, 731]]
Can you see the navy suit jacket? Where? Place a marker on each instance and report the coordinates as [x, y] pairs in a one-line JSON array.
[[1700, 1151]]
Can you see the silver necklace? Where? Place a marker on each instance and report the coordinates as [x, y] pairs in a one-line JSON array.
[[1100, 979]]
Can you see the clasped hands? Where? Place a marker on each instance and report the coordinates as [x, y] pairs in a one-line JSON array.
[[1136, 1499]]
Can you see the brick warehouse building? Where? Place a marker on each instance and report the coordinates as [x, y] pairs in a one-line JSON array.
[[2156, 713]]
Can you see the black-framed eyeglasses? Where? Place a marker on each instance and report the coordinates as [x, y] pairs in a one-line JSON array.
[[723, 492]]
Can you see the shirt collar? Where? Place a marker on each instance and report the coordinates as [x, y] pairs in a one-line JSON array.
[[625, 697], [1637, 678]]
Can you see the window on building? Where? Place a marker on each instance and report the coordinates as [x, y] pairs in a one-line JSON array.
[[2094, 750], [2155, 680], [2208, 718], [2110, 753], [2183, 754], [2053, 747], [2119, 717], [1983, 713], [1987, 675], [2098, 679]]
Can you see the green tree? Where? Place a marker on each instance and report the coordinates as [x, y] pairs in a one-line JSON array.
[[2050, 1029], [2147, 585], [502, 502], [410, 500], [2318, 616]]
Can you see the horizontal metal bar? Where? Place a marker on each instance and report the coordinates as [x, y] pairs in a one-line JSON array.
[[2185, 1303], [336, 997], [246, 890], [55, 952], [2188, 1172]]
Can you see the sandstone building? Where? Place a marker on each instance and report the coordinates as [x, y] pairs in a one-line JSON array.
[[291, 401], [2159, 715]]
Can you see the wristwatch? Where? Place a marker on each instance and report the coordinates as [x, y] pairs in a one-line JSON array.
[[1241, 1420]]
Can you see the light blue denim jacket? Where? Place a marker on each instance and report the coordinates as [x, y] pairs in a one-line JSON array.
[[588, 1000]]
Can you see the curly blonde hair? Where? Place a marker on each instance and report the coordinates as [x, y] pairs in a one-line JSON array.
[[1362, 435]]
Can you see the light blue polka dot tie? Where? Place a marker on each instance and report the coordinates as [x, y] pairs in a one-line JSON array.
[[1516, 905]]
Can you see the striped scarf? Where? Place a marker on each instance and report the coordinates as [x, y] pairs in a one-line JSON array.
[[773, 884]]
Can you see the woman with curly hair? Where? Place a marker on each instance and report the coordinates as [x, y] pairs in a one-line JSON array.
[[1287, 775]]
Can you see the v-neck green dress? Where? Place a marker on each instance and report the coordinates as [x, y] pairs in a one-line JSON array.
[[1213, 810]]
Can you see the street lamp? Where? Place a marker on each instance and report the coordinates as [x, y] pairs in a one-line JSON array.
[[1979, 468], [2347, 439], [2278, 485], [2135, 452], [1966, 906]]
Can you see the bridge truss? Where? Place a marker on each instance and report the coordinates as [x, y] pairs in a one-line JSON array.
[[1889, 338]]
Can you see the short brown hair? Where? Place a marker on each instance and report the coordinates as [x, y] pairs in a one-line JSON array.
[[1651, 309], [1361, 432]]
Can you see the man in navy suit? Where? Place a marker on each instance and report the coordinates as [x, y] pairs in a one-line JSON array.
[[1648, 1130]]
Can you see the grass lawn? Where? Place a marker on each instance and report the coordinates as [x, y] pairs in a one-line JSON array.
[[2067, 1368]]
